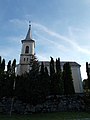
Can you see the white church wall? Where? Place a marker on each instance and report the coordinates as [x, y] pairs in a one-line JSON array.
[[77, 80], [18, 70], [25, 59]]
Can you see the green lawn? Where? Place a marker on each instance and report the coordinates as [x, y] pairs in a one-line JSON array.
[[49, 116]]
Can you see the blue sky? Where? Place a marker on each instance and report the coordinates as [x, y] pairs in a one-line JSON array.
[[61, 28]]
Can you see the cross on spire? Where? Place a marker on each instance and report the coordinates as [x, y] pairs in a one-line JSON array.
[[29, 23]]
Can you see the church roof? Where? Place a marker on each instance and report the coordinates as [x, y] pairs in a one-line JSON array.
[[62, 63], [28, 36]]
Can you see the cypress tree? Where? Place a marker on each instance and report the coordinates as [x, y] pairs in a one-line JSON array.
[[0, 62], [3, 65], [42, 69], [13, 66], [9, 67], [88, 76], [31, 85], [46, 71], [44, 82], [2, 77], [58, 66], [52, 71], [52, 77], [68, 80], [59, 80]]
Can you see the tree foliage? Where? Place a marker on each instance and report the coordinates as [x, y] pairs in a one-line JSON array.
[[88, 75], [52, 70], [68, 80], [35, 86], [60, 83], [6, 79]]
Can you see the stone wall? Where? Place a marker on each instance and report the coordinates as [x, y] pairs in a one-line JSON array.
[[51, 104]]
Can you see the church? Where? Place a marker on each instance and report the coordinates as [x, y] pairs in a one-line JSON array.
[[27, 53]]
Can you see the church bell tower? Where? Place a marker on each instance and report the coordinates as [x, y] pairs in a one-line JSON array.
[[27, 53]]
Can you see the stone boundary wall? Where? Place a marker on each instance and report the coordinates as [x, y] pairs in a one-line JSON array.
[[52, 104]]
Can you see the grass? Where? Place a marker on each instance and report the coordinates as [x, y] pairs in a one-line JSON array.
[[49, 116]]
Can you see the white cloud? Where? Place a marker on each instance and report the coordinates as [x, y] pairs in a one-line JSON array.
[[49, 42], [18, 24], [42, 57], [74, 45], [73, 30]]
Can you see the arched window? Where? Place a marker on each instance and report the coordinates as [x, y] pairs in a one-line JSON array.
[[27, 49], [24, 59]]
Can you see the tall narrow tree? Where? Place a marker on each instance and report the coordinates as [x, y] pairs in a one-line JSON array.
[[52, 76], [0, 62], [9, 67], [13, 66], [44, 81], [42, 69], [68, 80], [52, 71], [60, 84], [58, 66], [3, 65], [88, 75]]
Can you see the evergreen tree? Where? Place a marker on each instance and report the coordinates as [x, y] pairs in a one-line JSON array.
[[3, 65], [59, 81], [67, 78], [88, 75], [27, 87], [34, 70], [46, 71], [2, 77], [52, 76], [9, 67], [42, 69], [0, 59], [52, 71], [0, 63], [6, 81], [44, 82], [13, 66], [58, 66]]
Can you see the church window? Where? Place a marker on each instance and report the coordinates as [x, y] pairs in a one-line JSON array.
[[27, 49], [24, 59], [27, 59]]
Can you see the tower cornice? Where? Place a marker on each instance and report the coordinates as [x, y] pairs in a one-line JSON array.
[[27, 40]]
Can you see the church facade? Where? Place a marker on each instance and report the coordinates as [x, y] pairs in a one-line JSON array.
[[27, 53]]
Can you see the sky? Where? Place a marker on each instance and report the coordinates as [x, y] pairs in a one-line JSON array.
[[60, 28]]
